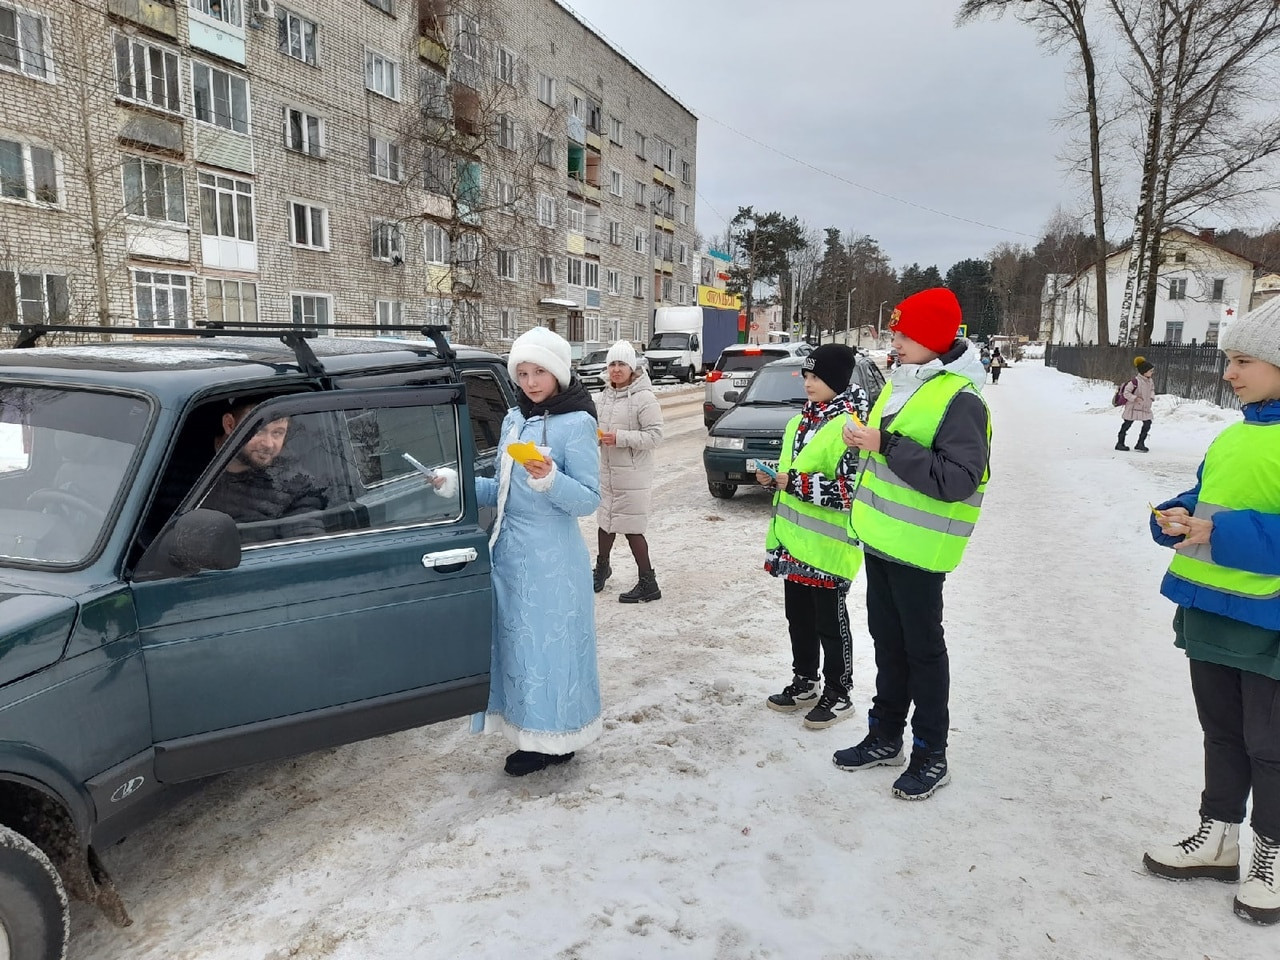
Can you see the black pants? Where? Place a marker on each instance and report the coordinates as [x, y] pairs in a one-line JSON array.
[[1142, 434], [1240, 715], [904, 615], [995, 373], [818, 621]]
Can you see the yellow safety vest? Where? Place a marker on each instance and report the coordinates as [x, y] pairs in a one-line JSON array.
[[892, 517], [818, 536], [1241, 472]]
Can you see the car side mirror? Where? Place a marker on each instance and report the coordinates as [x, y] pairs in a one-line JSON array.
[[196, 541], [731, 396]]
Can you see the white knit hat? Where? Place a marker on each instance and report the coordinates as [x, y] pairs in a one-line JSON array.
[[1257, 333], [547, 349], [623, 351]]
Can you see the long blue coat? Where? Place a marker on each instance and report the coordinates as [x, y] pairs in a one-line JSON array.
[[544, 688]]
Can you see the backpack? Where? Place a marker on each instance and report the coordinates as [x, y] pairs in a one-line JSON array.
[[1119, 399]]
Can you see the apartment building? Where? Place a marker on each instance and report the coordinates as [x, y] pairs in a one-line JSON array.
[[493, 165]]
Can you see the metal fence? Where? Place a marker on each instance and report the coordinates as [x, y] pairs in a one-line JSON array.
[[1189, 370]]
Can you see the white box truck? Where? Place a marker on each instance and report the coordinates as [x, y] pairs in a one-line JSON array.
[[687, 341]]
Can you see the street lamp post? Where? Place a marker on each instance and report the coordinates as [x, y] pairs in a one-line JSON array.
[[848, 301], [879, 318]]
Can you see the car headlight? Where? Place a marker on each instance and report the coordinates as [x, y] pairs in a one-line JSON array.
[[727, 443]]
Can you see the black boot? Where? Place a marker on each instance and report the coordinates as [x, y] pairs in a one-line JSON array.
[[601, 575], [1120, 445], [644, 591]]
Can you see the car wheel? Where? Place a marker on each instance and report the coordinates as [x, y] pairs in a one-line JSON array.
[[722, 491], [693, 375], [34, 922]]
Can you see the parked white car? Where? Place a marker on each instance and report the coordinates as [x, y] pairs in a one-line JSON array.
[[734, 369]]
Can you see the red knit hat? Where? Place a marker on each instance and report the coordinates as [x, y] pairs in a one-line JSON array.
[[931, 318]]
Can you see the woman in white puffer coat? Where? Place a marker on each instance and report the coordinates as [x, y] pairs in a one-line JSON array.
[[630, 430]]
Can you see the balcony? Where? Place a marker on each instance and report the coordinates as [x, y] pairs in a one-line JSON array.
[[433, 51], [152, 14]]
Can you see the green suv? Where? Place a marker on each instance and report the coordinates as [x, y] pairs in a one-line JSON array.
[[149, 641]]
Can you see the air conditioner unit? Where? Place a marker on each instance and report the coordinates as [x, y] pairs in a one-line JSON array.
[[261, 7]]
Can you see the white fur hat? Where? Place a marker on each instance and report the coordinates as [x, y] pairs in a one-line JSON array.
[[623, 351], [547, 349], [1257, 333]]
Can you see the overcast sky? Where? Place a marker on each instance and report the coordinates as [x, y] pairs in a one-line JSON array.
[[886, 94]]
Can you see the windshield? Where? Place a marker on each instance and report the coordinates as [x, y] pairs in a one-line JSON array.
[[781, 384], [669, 341], [64, 456], [595, 356], [732, 360]]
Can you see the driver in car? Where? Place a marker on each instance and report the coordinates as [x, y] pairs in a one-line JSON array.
[[257, 485]]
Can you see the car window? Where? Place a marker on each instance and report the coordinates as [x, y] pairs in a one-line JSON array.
[[487, 405], [595, 356], [732, 360], [70, 453], [871, 379], [776, 384]]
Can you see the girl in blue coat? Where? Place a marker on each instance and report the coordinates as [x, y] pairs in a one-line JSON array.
[[544, 691]]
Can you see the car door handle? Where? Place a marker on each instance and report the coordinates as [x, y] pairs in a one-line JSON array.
[[449, 558]]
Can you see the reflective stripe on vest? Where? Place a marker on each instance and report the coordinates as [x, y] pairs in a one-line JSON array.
[[891, 516], [1241, 472], [818, 536]]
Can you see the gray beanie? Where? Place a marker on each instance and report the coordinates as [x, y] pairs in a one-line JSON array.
[[1256, 333]]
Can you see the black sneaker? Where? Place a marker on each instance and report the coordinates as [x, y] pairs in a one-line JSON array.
[[1141, 448], [829, 711], [925, 774], [524, 762], [801, 692], [875, 750]]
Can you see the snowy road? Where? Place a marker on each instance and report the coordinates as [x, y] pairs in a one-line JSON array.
[[703, 825]]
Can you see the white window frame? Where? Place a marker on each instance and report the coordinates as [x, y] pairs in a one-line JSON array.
[[176, 319], [35, 63], [642, 146], [641, 244], [507, 322], [314, 213], [234, 81], [388, 313], [547, 89], [637, 286], [381, 74], [615, 131], [238, 190], [172, 188], [573, 271], [591, 274], [615, 232], [506, 132], [435, 243], [640, 193], [684, 214], [508, 264], [1173, 330], [683, 295], [684, 254], [505, 66], [575, 216], [384, 160], [240, 286], [615, 181], [546, 151], [295, 40], [383, 5], [507, 198], [1217, 289], [546, 211], [230, 12], [613, 282], [386, 241], [305, 314], [468, 42], [30, 189], [134, 49], [546, 268], [1177, 288], [47, 314], [306, 145], [686, 172]]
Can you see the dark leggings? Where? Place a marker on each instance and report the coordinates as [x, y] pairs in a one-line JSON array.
[[1142, 434], [639, 547]]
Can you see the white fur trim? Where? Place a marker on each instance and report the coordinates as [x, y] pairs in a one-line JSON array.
[[542, 484], [542, 741], [449, 488]]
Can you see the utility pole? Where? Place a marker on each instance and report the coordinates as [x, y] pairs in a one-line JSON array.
[[848, 302]]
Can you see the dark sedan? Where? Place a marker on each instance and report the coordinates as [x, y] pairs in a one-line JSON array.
[[752, 430]]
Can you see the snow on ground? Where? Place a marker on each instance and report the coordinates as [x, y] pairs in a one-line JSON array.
[[703, 825]]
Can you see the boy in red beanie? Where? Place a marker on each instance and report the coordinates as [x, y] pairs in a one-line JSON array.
[[924, 452]]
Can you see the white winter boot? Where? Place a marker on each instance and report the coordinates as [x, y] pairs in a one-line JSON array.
[[1259, 896], [1212, 852]]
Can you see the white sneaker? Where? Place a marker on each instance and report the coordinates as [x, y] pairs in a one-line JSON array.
[[1212, 852], [1259, 896]]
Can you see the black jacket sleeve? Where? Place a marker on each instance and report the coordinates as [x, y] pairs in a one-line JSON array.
[[952, 468]]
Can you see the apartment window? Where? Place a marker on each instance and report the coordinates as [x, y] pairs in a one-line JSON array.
[[297, 36], [684, 294], [574, 276], [1218, 287], [575, 216], [469, 37], [1173, 332], [312, 309], [507, 196], [28, 173], [154, 190], [508, 265], [437, 243], [388, 243], [506, 66], [686, 172], [639, 193], [637, 287], [506, 132], [546, 152], [231, 301], [591, 274], [615, 131], [226, 207], [1211, 335], [506, 324], [228, 11], [388, 313], [383, 5], [438, 171], [303, 132], [613, 282], [666, 288], [615, 182], [546, 269], [640, 245], [547, 89], [615, 232], [684, 214], [384, 159], [684, 253], [308, 225], [22, 42], [33, 297], [546, 211], [667, 156], [1178, 288], [146, 74], [1180, 257], [466, 250], [641, 146], [163, 299], [221, 98], [381, 74]]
